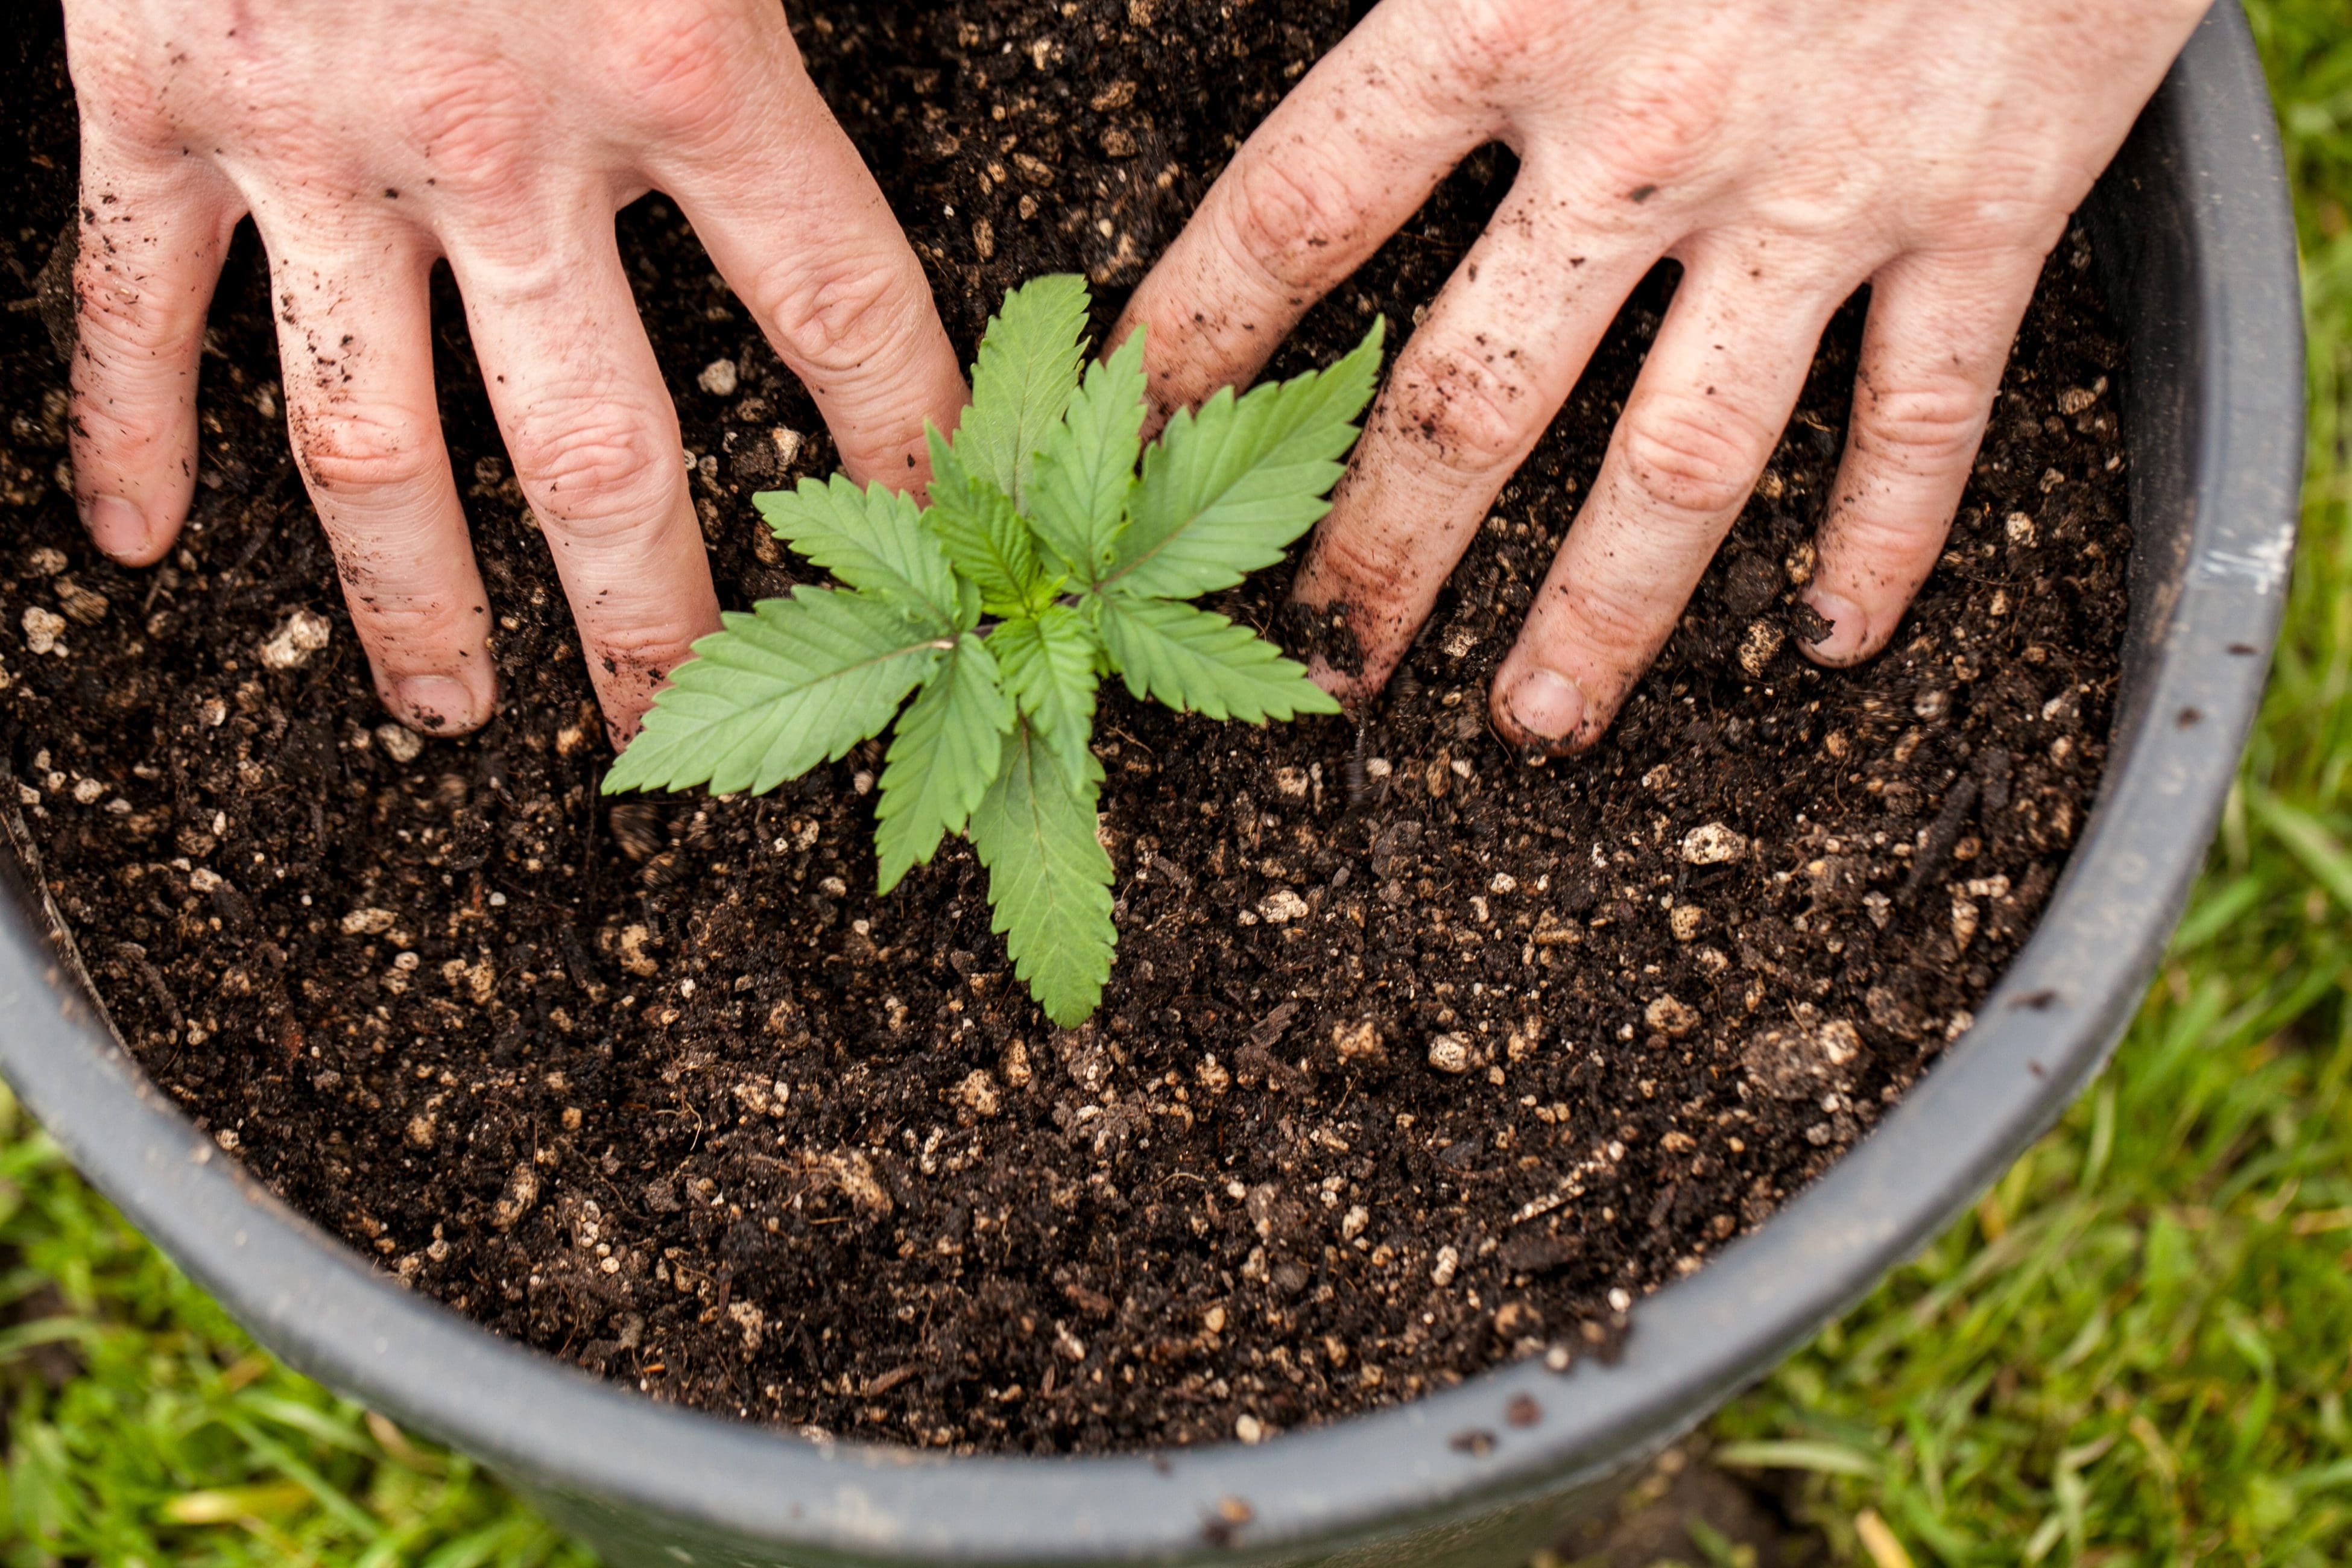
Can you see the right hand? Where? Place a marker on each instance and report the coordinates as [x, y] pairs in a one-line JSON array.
[[366, 140]]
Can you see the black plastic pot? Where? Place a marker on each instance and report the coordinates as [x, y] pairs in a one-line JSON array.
[[2192, 226]]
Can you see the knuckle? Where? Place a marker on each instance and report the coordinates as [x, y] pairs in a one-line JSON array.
[[1460, 418], [522, 279], [1975, 215], [1876, 551], [1613, 617], [353, 449], [124, 315], [111, 433], [409, 632], [476, 119], [1880, 551], [134, 373], [586, 462], [680, 71], [1367, 567], [1658, 123], [844, 314], [1618, 621], [117, 86], [1689, 457], [653, 648], [1821, 203], [1487, 42], [2006, 202], [116, 421], [1290, 213], [1929, 424]]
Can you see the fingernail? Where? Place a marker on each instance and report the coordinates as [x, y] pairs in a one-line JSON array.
[[1547, 704], [115, 526], [1849, 627], [438, 704]]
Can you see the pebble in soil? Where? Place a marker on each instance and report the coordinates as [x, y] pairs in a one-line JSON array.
[[1416, 1059]]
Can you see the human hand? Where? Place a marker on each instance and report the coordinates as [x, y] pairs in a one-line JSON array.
[[368, 139], [1784, 153]]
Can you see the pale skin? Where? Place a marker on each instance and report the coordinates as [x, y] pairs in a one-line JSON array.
[[1785, 152], [368, 137]]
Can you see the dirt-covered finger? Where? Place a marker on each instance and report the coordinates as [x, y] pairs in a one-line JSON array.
[[594, 443], [1342, 162], [795, 222], [149, 245], [354, 345], [1938, 335], [1467, 399], [1705, 411]]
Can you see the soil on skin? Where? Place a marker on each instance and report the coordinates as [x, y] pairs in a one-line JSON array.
[[1416, 1057]]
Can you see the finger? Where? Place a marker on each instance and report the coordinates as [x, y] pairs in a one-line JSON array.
[[1343, 160], [594, 443], [1932, 351], [1714, 394], [1467, 399], [355, 341], [150, 244], [794, 221]]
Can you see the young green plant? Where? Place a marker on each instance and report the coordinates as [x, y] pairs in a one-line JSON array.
[[1044, 561]]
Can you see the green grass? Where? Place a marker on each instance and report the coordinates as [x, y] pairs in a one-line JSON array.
[[169, 1439], [2135, 1352]]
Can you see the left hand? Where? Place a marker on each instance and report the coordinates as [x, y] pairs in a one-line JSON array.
[[1785, 154], [367, 140]]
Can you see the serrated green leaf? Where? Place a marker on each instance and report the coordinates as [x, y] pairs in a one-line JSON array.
[[1194, 659], [797, 682], [1077, 494], [1048, 875], [872, 539], [1048, 662], [943, 753], [1225, 490], [1027, 368], [986, 538]]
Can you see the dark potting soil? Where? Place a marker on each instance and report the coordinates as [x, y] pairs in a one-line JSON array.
[[1416, 1057]]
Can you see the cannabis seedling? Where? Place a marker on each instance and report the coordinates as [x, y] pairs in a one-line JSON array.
[[1044, 563]]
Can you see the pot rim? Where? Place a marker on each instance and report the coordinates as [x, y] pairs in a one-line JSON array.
[[2045, 1030]]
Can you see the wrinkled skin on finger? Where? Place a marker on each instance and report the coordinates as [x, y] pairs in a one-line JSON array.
[[1785, 154], [368, 142]]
